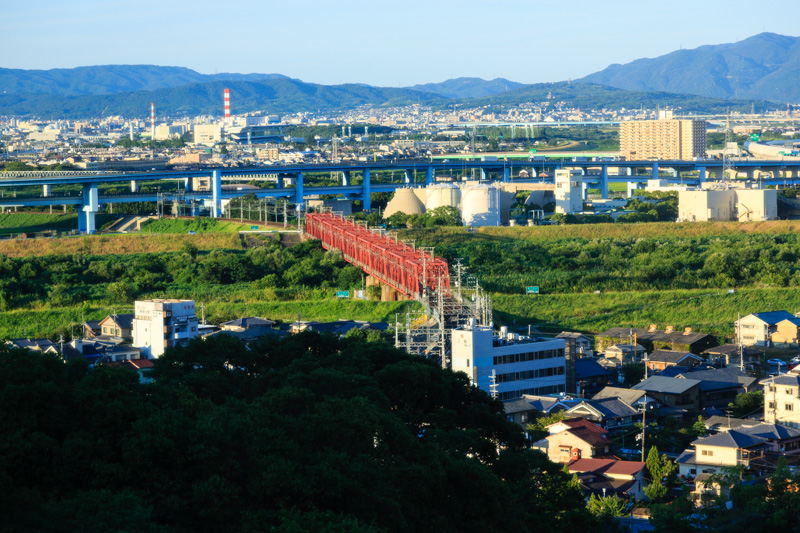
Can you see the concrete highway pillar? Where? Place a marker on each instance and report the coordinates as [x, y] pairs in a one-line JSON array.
[[81, 223], [429, 176], [483, 174], [775, 173], [45, 190], [298, 189], [188, 184], [134, 186], [603, 182], [632, 186], [655, 170], [584, 188], [701, 175], [628, 171], [366, 193], [408, 176], [216, 193], [280, 184], [751, 173], [90, 206], [346, 178], [505, 174]]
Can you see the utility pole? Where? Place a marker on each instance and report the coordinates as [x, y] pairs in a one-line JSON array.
[[644, 423]]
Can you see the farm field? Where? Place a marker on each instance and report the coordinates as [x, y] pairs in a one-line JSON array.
[[13, 223]]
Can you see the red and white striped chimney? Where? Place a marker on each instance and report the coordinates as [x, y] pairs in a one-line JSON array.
[[152, 121], [227, 106]]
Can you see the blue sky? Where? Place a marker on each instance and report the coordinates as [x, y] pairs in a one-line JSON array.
[[380, 42]]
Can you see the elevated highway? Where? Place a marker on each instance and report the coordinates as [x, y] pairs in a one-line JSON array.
[[355, 180]]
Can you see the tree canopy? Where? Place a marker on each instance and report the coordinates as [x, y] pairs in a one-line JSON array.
[[308, 433]]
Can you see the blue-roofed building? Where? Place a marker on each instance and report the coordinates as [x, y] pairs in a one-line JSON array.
[[590, 377], [757, 329]]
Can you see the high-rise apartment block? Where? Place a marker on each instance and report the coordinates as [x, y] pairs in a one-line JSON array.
[[662, 139], [159, 324]]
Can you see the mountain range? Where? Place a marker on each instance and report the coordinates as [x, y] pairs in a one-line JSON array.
[[758, 71], [765, 66]]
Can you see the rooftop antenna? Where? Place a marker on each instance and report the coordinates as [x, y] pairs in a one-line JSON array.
[[493, 384]]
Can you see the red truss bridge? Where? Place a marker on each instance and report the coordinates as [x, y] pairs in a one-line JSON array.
[[415, 272]]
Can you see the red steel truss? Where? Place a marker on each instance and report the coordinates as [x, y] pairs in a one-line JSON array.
[[394, 263]]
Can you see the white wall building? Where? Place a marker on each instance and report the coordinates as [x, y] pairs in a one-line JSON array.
[[728, 204], [159, 324], [569, 191], [207, 134], [521, 365]]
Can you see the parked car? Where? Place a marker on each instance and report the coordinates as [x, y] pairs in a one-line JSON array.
[[776, 362]]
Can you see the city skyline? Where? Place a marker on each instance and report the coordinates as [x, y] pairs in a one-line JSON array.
[[383, 45]]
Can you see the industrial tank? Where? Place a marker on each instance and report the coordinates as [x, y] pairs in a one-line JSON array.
[[404, 201], [442, 194], [480, 205]]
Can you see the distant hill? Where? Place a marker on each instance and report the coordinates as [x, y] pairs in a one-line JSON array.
[[765, 66], [468, 87], [278, 95], [592, 96], [109, 79]]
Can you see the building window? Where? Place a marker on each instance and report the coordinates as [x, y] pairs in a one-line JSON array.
[[708, 453], [788, 407], [771, 405], [789, 391]]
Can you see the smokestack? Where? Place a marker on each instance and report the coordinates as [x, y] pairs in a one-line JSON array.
[[152, 121], [130, 124], [227, 106]]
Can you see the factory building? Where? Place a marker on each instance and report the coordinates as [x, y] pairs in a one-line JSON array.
[[159, 324], [727, 204], [509, 365], [569, 191], [207, 134], [662, 139]]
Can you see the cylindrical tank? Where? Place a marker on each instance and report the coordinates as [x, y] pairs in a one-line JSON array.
[[404, 201], [442, 194], [480, 206]]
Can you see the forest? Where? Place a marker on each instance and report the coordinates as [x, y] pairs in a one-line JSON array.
[[311, 433]]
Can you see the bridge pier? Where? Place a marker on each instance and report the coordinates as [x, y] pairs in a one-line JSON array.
[[134, 186], [701, 175], [366, 192], [216, 193], [429, 176], [408, 176], [346, 178], [631, 186], [655, 170], [751, 173], [188, 184], [584, 188], [298, 189], [505, 174], [603, 183], [45, 190], [90, 207], [483, 174]]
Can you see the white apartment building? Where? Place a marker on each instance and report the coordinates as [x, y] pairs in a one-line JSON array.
[[159, 324], [569, 191], [756, 329], [517, 364]]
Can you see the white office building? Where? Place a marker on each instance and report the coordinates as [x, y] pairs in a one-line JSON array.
[[510, 364], [569, 191], [159, 324]]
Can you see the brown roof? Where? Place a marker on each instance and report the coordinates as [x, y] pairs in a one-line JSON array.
[[589, 437], [582, 423], [606, 466]]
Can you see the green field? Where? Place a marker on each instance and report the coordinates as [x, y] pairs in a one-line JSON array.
[[197, 224], [13, 223]]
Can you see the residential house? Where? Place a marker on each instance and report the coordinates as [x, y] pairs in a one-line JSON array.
[[683, 394], [119, 326], [757, 329], [653, 339], [573, 434], [731, 355], [338, 327], [37, 345], [637, 399], [625, 354], [247, 329], [709, 487], [609, 413], [528, 408], [91, 329], [590, 377], [756, 446], [607, 477], [787, 333], [719, 386], [782, 400], [661, 359]]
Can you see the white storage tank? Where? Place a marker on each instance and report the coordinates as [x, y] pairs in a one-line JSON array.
[[404, 201], [443, 194], [480, 206]]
